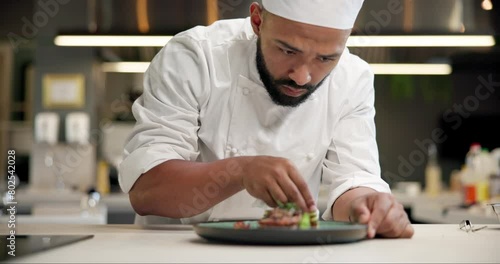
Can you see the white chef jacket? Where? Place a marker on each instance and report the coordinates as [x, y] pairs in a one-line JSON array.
[[203, 101]]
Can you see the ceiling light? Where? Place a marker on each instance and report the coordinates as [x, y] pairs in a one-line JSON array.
[[125, 67], [410, 69], [421, 41], [487, 5], [378, 68], [353, 41], [111, 41]]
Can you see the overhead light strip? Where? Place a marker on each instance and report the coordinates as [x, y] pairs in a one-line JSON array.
[[421, 41], [353, 41], [111, 41], [379, 69], [410, 69], [125, 67]]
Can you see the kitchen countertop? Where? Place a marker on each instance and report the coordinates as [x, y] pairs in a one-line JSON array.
[[176, 243], [446, 209]]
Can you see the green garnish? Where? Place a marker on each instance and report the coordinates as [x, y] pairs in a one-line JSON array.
[[305, 222], [287, 206], [308, 219], [290, 206]]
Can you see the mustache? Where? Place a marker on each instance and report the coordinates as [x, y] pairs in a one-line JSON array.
[[292, 84]]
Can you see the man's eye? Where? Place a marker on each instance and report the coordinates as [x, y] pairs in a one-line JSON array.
[[287, 52], [324, 59]]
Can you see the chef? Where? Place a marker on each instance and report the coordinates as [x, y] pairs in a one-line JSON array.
[[245, 114]]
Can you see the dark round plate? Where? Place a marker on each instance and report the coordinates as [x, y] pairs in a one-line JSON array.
[[325, 233]]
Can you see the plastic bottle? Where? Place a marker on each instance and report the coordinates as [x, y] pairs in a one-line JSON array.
[[484, 171], [495, 177], [102, 179], [432, 173], [470, 174], [456, 181], [468, 185]]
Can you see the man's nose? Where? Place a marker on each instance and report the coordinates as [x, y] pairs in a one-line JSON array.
[[300, 75]]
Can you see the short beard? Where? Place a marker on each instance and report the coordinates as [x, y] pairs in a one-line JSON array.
[[272, 84]]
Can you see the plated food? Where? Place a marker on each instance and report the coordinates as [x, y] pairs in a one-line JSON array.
[[284, 225], [253, 232], [285, 215]]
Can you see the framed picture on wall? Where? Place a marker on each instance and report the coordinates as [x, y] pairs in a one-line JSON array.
[[63, 91]]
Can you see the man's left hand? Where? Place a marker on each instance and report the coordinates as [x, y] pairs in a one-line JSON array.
[[383, 215]]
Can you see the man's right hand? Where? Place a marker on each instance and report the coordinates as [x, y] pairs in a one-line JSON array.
[[273, 179], [270, 179]]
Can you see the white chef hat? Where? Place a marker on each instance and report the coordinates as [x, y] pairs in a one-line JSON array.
[[339, 14]]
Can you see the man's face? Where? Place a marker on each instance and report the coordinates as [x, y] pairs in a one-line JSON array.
[[292, 98], [293, 59]]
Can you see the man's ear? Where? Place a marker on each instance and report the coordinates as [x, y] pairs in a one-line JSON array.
[[256, 17]]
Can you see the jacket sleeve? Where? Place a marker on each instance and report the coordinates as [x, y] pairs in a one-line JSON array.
[[352, 159], [167, 113]]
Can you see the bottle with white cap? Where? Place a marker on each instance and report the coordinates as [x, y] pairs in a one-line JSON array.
[[471, 157], [470, 174]]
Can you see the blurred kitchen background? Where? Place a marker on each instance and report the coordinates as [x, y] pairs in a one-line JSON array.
[[65, 101]]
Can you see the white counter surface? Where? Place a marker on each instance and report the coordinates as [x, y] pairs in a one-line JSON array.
[[129, 243]]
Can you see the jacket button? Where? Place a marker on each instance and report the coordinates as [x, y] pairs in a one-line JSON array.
[[246, 91], [234, 150], [310, 156]]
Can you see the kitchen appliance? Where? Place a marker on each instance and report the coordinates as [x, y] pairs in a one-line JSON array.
[[28, 244]]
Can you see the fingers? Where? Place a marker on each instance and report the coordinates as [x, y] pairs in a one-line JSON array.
[[292, 192], [386, 216], [408, 232], [274, 179], [360, 213], [380, 205], [268, 199], [277, 193], [297, 190], [396, 223]]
